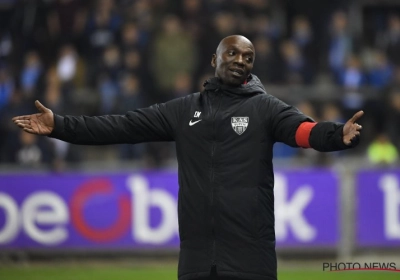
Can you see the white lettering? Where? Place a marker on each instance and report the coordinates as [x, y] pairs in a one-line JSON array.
[[46, 209], [391, 203], [143, 199], [12, 222], [290, 213]]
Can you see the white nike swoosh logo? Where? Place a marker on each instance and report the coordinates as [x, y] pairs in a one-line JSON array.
[[193, 123]]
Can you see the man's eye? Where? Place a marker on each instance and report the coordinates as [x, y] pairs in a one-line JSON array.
[[250, 59], [231, 53]]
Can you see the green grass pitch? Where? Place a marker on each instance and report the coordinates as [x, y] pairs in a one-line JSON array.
[[118, 273]]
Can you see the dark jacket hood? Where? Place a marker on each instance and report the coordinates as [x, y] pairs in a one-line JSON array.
[[252, 87]]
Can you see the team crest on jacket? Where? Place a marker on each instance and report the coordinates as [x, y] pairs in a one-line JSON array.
[[239, 124]]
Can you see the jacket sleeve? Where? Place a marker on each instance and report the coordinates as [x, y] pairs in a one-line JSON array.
[[285, 120], [328, 137], [324, 136], [155, 123]]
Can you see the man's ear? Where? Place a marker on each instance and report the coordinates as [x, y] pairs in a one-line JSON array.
[[213, 61]]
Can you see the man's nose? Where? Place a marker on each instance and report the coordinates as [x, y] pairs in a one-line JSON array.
[[239, 60]]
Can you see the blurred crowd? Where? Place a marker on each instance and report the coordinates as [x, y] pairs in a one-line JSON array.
[[108, 57]]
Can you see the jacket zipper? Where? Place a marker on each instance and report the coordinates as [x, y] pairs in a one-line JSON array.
[[213, 261]]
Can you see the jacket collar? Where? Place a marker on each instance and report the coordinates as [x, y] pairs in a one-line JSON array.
[[253, 86]]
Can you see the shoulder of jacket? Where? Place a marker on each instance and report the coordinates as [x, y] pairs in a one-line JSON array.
[[183, 99], [268, 102], [264, 98], [182, 103], [191, 96]]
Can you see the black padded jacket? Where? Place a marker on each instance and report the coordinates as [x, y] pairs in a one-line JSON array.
[[224, 138]]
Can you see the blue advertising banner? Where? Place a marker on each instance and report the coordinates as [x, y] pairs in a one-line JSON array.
[[378, 208], [306, 208], [139, 210]]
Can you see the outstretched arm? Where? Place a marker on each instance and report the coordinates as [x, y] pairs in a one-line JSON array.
[[155, 123], [41, 123], [331, 136], [295, 129]]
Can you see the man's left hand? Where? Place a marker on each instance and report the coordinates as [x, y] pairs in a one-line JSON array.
[[352, 129]]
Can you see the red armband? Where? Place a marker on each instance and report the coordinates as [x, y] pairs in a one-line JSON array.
[[303, 134]]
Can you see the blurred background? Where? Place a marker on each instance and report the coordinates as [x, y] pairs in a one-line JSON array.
[[108, 57], [330, 59]]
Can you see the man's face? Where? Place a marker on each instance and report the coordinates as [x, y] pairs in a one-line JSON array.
[[234, 60]]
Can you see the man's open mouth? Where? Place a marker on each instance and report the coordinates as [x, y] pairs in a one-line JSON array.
[[237, 72]]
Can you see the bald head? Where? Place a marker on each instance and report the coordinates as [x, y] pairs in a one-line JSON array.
[[233, 60], [234, 39]]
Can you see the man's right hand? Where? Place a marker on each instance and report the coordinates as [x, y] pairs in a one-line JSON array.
[[41, 123]]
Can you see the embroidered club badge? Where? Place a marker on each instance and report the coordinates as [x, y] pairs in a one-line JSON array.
[[239, 124]]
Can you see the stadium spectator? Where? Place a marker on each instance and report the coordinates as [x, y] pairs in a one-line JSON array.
[[392, 116], [390, 40], [28, 151], [140, 12], [268, 66], [295, 66], [132, 62], [6, 87], [108, 92], [263, 25], [381, 72], [170, 45], [382, 152], [395, 81], [192, 13], [111, 63], [182, 86], [30, 74], [67, 64], [351, 75], [101, 30], [133, 38], [303, 37], [130, 98], [250, 8], [54, 97], [340, 43], [17, 105], [64, 21]]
